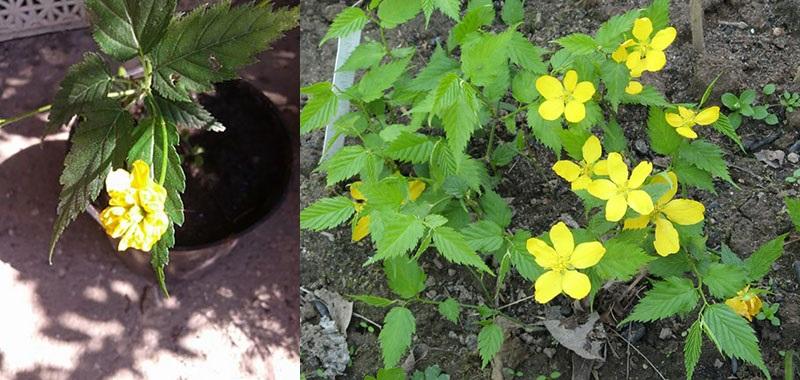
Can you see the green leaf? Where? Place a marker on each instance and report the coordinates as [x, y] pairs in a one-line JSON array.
[[769, 89], [89, 161], [648, 97], [450, 309], [692, 348], [490, 340], [724, 280], [614, 137], [578, 43], [473, 20], [364, 56], [411, 147], [723, 125], [451, 8], [439, 65], [621, 261], [672, 296], [793, 208], [86, 83], [760, 262], [389, 374], [395, 12], [523, 87], [454, 248], [706, 156], [380, 78], [326, 213], [616, 78], [504, 154], [373, 300], [513, 12], [405, 276], [731, 101], [663, 138], [484, 59], [344, 164], [525, 54], [399, 326], [496, 208], [401, 234], [732, 335], [456, 103], [610, 34], [174, 178], [747, 97], [320, 108], [771, 119], [348, 21], [547, 132], [144, 140], [159, 257], [124, 29], [692, 176], [484, 236], [658, 13], [187, 115], [209, 44]]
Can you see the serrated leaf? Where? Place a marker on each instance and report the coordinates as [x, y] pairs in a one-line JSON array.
[[124, 29], [724, 280], [457, 105], [503, 154], [658, 13], [348, 21], [401, 234], [663, 138], [614, 137], [513, 12], [484, 59], [159, 257], [793, 208], [723, 125], [166, 135], [209, 44], [405, 276], [450, 309], [760, 262], [490, 340], [523, 87], [395, 12], [669, 266], [732, 334], [439, 65], [496, 208], [86, 82], [615, 77], [326, 213], [472, 21], [89, 161], [484, 236], [411, 147], [373, 300], [451, 8], [546, 132], [344, 164], [578, 43], [672, 296], [692, 348], [525, 54], [692, 176], [320, 108], [648, 97], [364, 56], [399, 326], [143, 138], [706, 156], [380, 78], [188, 115], [455, 249], [621, 261], [610, 34]]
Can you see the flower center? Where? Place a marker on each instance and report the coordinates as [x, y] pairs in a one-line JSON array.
[[562, 265]]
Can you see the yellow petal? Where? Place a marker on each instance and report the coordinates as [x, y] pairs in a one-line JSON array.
[[361, 229], [684, 211], [616, 208], [642, 28], [602, 188], [669, 179], [707, 116], [355, 191], [415, 189], [674, 119], [663, 38], [667, 241], [575, 111], [576, 284], [592, 150], [655, 60], [620, 55], [639, 174], [617, 169], [581, 183], [568, 170], [587, 255], [583, 91], [686, 114], [570, 80], [600, 167], [633, 88], [562, 239], [547, 286], [637, 223], [118, 181], [635, 63], [687, 132], [140, 175], [551, 109], [640, 202], [549, 87], [739, 306], [544, 254]]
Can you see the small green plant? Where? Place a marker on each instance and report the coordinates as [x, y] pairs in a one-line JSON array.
[[388, 374], [746, 105], [367, 327], [431, 373], [512, 373], [770, 312], [790, 101], [794, 177]]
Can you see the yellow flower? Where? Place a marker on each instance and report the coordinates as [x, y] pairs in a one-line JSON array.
[[566, 99], [135, 212], [746, 303], [361, 229], [633, 88], [621, 191], [685, 119], [561, 260], [684, 212], [642, 53], [580, 174]]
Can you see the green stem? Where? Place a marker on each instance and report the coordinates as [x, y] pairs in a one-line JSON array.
[[164, 149], [45, 108]]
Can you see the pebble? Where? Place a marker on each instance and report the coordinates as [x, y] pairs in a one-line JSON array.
[[796, 267], [777, 31], [641, 146], [550, 352], [665, 333], [793, 157], [451, 272], [633, 332], [718, 363]]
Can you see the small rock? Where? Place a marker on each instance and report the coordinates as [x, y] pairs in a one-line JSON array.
[[451, 272], [527, 338], [633, 332], [665, 333], [796, 267], [772, 158], [793, 157], [438, 264], [777, 31], [793, 118], [718, 363], [550, 352], [641, 146]]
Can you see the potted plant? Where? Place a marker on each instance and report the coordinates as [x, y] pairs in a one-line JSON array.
[[143, 141]]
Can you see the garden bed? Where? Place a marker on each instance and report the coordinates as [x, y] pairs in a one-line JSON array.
[[750, 43]]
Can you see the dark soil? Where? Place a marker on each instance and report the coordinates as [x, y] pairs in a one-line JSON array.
[[242, 173], [750, 43]]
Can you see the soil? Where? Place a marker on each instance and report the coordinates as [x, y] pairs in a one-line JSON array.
[[750, 43]]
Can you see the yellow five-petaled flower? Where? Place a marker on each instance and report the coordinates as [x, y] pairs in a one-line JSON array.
[[667, 210], [135, 212], [561, 261], [580, 174], [566, 99], [685, 119], [361, 229], [621, 191], [746, 303], [641, 53]]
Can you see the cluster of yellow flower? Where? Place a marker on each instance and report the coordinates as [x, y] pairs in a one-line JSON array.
[[643, 53], [361, 229]]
